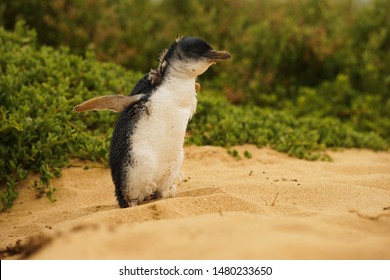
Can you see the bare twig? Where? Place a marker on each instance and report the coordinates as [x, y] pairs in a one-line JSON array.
[[372, 218], [266, 204], [276, 196]]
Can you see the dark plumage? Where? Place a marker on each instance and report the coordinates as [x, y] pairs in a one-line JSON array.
[[120, 146]]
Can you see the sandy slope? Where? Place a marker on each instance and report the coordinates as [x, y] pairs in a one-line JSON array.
[[268, 207]]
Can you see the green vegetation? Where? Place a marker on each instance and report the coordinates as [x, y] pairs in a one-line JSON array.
[[307, 76], [330, 58], [39, 132], [218, 123]]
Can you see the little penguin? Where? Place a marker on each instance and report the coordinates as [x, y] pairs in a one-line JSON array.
[[146, 150]]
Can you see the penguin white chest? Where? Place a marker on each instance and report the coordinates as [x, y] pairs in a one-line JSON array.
[[157, 142]]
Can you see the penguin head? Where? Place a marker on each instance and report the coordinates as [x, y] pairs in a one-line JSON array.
[[195, 55], [188, 57]]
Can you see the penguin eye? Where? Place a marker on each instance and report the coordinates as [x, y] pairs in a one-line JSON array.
[[193, 53], [195, 47], [189, 54]]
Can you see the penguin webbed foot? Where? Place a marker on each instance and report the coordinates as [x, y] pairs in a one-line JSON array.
[[133, 202], [155, 195], [170, 192]]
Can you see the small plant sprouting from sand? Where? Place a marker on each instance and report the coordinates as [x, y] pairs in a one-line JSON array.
[[234, 153]]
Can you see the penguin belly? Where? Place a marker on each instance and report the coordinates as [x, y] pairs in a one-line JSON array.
[[157, 146]]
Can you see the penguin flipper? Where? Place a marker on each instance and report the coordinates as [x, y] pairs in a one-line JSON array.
[[116, 103]]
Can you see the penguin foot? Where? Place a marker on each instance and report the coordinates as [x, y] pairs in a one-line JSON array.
[[170, 192], [156, 195], [152, 195], [133, 202], [173, 190], [181, 177]]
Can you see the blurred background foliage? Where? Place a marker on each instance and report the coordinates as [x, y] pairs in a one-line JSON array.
[[307, 75], [328, 57]]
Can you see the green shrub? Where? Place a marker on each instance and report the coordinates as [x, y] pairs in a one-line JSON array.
[[38, 130], [218, 123], [292, 43], [330, 58], [338, 99]]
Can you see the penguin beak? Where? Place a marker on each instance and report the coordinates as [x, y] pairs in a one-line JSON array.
[[216, 56]]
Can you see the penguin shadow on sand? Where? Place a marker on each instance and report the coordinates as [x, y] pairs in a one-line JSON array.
[[146, 149]]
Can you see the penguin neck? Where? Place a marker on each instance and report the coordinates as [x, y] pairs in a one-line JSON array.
[[180, 74], [179, 91], [180, 81]]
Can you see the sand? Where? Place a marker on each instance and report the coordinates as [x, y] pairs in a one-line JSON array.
[[270, 206]]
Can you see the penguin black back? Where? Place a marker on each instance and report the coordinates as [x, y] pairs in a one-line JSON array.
[[121, 141]]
